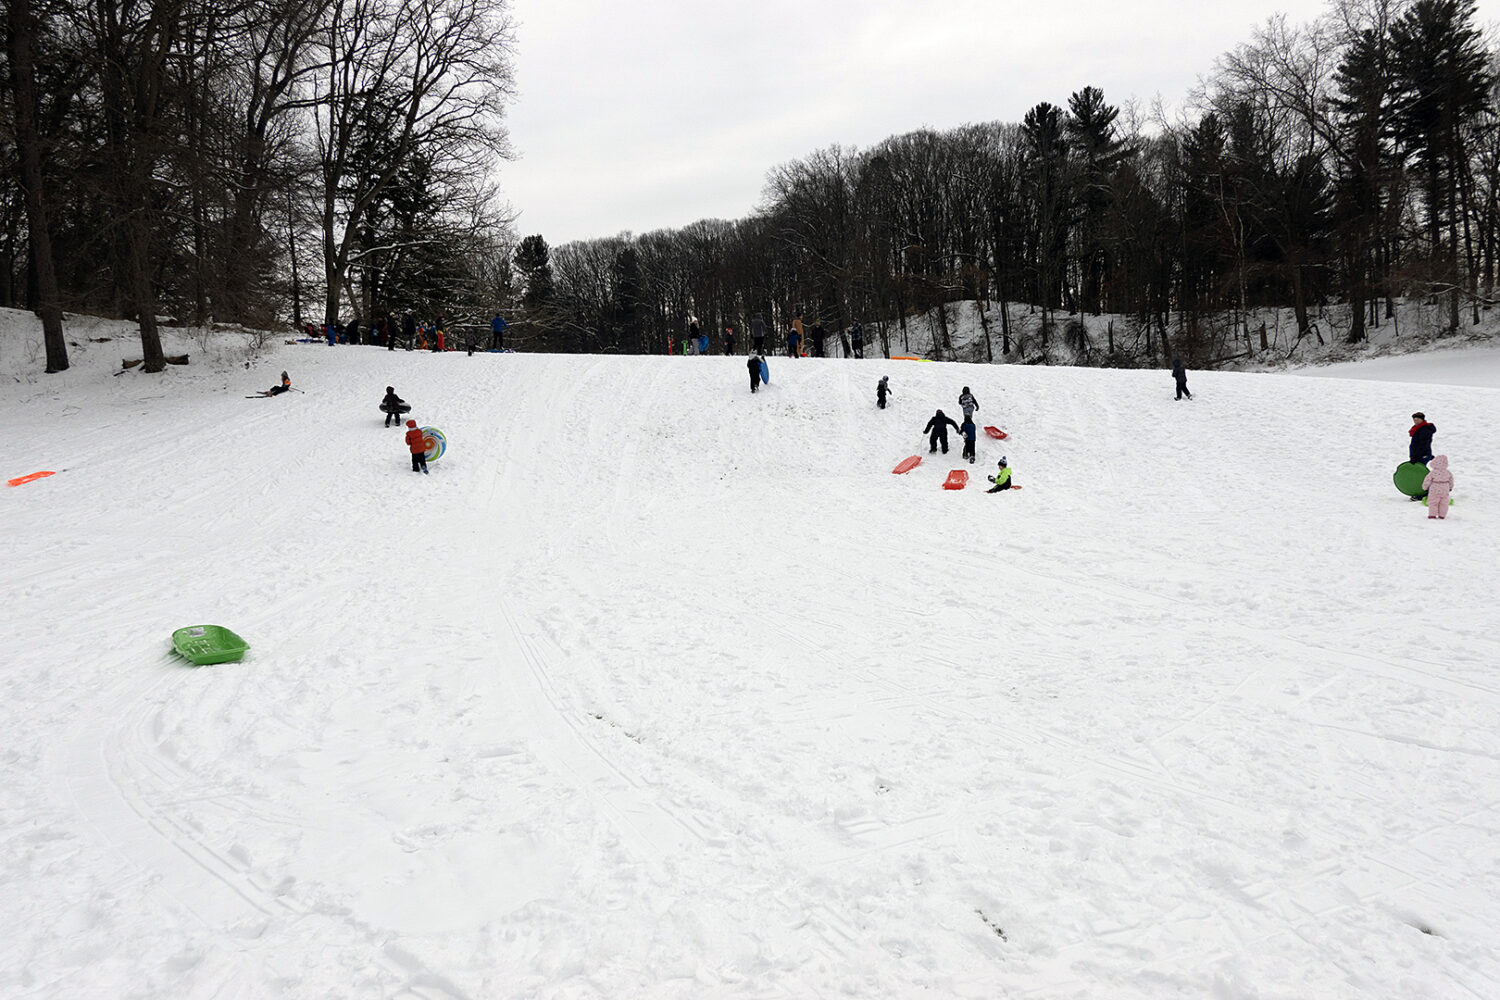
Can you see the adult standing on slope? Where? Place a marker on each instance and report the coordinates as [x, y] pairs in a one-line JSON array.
[[1421, 438], [857, 335], [757, 334], [409, 329], [1179, 375], [1421, 444], [968, 403], [497, 332], [818, 336], [937, 431]]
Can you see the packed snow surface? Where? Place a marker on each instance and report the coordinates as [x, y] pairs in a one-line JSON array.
[[655, 688]]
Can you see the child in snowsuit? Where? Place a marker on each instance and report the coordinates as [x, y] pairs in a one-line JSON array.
[[969, 431], [754, 365], [729, 340], [1001, 478], [937, 431], [1179, 375], [392, 404], [418, 447], [882, 389], [793, 344], [968, 402], [1439, 484]]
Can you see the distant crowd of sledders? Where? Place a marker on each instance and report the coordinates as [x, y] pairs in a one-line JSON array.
[[797, 340], [410, 334]]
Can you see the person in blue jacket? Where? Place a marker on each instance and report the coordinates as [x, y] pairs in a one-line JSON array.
[[793, 343], [970, 432], [937, 431], [497, 333]]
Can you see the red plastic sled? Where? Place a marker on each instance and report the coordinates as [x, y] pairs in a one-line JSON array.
[[907, 464], [995, 433], [26, 479], [957, 479]]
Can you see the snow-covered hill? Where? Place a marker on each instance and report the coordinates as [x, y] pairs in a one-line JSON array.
[[655, 688]]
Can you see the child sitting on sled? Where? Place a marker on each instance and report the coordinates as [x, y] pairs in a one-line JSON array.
[[1001, 478]]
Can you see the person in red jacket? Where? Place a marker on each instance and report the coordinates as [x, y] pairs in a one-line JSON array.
[[418, 447]]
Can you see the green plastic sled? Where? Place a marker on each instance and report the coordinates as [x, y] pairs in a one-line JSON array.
[[1451, 502], [205, 644], [1408, 478]]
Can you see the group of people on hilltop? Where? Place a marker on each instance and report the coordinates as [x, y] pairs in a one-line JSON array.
[[800, 340], [409, 333]]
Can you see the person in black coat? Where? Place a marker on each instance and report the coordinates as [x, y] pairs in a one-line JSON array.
[[819, 335], [937, 431], [394, 406], [1179, 375], [409, 329], [754, 365], [882, 389], [1421, 438]]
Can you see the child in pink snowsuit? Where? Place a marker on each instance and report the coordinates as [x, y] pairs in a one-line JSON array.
[[1438, 484]]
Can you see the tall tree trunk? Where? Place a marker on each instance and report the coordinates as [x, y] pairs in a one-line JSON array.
[[28, 138]]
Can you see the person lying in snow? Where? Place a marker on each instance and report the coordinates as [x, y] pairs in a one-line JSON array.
[[285, 386]]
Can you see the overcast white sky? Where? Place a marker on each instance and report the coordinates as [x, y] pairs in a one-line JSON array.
[[634, 116]]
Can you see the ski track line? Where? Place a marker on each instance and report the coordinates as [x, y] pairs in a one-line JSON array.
[[121, 783], [566, 744], [655, 831]]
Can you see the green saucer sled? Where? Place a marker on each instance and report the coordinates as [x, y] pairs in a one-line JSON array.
[[1408, 478], [205, 644]]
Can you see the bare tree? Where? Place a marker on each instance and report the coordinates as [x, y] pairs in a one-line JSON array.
[[401, 76]]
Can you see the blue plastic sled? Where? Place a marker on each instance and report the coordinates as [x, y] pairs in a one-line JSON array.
[[765, 372]]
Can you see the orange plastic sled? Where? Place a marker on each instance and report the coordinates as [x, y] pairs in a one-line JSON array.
[[21, 481], [907, 464], [995, 433], [957, 479]]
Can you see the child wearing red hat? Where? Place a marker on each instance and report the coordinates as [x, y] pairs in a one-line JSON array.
[[418, 447]]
